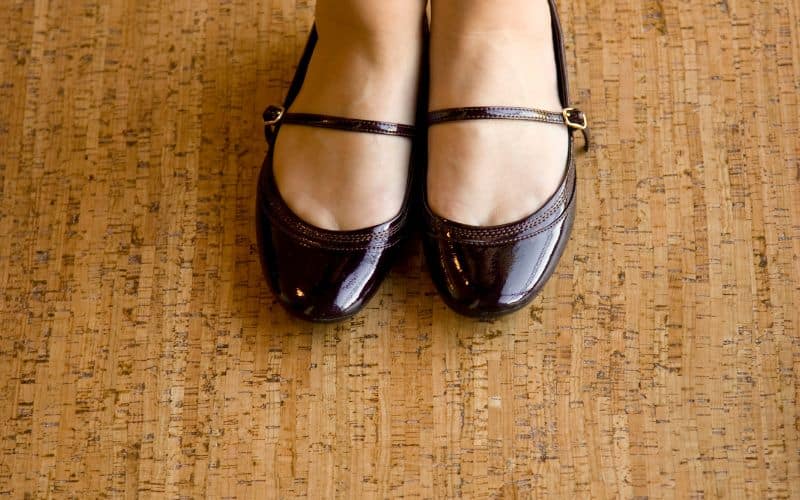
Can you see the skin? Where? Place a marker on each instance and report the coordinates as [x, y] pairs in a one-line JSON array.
[[366, 65], [483, 52], [505, 56]]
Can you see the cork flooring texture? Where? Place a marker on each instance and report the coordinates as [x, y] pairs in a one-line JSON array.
[[142, 355]]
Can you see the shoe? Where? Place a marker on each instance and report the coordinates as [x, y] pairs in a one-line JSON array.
[[317, 274], [490, 271]]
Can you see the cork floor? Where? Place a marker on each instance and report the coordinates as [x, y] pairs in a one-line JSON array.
[[142, 355]]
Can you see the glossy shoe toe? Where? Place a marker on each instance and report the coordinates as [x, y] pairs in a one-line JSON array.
[[490, 271], [491, 280], [317, 283], [316, 274]]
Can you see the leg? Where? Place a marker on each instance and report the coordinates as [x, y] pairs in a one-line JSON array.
[[490, 53], [366, 65]]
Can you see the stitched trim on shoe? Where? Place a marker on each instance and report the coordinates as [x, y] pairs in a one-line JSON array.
[[485, 242], [310, 236], [506, 232]]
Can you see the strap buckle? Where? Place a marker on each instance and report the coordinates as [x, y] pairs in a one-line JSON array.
[[575, 118], [273, 115]]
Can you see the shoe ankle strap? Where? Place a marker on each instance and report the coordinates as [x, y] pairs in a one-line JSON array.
[[572, 118], [274, 116]]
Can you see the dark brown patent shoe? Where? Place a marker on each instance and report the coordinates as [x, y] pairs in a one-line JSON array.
[[317, 274], [489, 271]]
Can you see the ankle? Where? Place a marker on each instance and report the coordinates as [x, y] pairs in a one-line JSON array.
[[378, 22], [368, 75], [480, 17], [514, 55], [380, 52]]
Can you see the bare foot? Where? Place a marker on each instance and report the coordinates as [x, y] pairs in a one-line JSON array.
[[493, 53], [365, 65]]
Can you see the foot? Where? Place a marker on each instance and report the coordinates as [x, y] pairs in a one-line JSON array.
[[490, 53], [365, 65]]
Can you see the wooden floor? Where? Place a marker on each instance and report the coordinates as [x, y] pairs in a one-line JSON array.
[[142, 354]]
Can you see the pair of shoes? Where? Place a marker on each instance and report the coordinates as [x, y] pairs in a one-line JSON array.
[[322, 275]]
